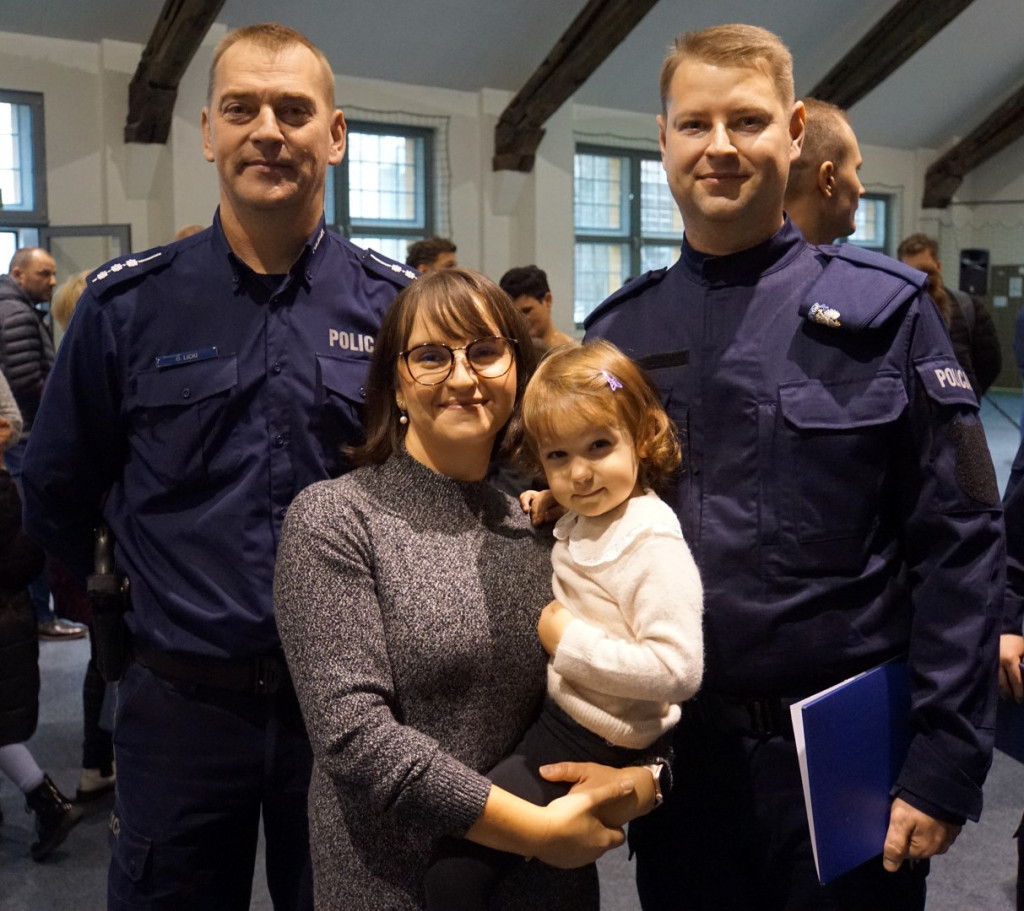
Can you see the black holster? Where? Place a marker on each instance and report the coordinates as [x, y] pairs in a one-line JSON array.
[[108, 597]]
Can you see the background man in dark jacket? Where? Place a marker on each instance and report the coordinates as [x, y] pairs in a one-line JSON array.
[[26, 351]]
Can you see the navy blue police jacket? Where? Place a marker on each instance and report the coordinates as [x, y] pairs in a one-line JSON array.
[[837, 491], [1013, 508], [194, 399]]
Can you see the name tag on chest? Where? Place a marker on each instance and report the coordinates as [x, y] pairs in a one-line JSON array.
[[186, 357]]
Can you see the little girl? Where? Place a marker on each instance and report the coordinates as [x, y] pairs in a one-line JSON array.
[[624, 633]]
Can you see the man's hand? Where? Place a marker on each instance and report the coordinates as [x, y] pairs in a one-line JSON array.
[[568, 832], [577, 833], [551, 625], [914, 835], [541, 505], [588, 776], [1011, 653]]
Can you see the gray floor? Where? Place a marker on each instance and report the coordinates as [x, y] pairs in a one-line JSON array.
[[977, 873]]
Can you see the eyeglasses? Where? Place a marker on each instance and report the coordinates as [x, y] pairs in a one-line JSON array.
[[432, 363]]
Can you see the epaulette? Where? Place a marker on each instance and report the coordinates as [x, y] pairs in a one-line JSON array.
[[859, 289], [117, 272], [379, 264], [630, 289]]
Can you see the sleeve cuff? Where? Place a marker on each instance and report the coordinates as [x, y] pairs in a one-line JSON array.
[[952, 793], [926, 806]]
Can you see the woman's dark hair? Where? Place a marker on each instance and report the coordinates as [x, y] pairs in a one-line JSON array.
[[451, 301]]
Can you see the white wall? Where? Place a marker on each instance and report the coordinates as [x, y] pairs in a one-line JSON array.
[[497, 219], [1001, 177]]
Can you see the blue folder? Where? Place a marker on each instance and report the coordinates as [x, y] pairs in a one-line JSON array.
[[852, 740]]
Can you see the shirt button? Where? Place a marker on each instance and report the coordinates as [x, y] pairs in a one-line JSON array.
[[279, 441], [280, 513], [277, 368], [186, 393]]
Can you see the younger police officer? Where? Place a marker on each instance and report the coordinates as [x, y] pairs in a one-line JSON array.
[[199, 388], [838, 496]]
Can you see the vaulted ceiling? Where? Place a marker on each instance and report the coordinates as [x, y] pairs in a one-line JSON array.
[[943, 92]]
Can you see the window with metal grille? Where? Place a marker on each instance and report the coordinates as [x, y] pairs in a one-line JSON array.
[[872, 221], [382, 194], [22, 171], [626, 221]]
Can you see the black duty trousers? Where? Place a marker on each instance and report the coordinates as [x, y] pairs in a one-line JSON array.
[[733, 836], [197, 766]]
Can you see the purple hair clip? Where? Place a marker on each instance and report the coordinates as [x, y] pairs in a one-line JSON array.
[[613, 381]]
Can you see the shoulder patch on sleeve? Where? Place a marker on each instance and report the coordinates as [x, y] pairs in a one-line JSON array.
[[629, 290], [380, 265], [946, 382], [118, 271], [859, 290]]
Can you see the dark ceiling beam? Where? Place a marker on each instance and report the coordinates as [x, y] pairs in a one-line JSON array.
[[1002, 127], [893, 40], [154, 88], [593, 35]]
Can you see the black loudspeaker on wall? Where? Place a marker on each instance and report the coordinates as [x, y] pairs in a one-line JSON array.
[[974, 271]]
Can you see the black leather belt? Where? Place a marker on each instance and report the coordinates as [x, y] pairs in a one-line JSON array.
[[263, 675], [766, 716]]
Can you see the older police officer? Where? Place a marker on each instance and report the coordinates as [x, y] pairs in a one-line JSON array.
[[199, 388], [838, 496]]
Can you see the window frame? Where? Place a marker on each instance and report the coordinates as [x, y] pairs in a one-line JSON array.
[[37, 216], [632, 235], [888, 233], [343, 221]]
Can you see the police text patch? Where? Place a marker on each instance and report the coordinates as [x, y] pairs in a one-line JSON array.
[[946, 382]]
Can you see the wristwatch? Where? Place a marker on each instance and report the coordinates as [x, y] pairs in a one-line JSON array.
[[661, 772]]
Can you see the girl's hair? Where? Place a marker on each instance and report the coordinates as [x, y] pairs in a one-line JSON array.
[[597, 384], [458, 303]]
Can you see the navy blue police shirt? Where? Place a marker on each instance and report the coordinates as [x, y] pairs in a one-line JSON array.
[[837, 490], [198, 398]]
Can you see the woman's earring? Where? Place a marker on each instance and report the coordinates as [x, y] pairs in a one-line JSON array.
[[403, 419]]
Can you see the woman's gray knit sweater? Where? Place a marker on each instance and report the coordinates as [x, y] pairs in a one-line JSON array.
[[407, 603]]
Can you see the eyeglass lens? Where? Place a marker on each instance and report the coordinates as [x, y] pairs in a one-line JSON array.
[[488, 357]]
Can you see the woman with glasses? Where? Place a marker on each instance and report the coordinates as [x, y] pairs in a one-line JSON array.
[[407, 596]]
